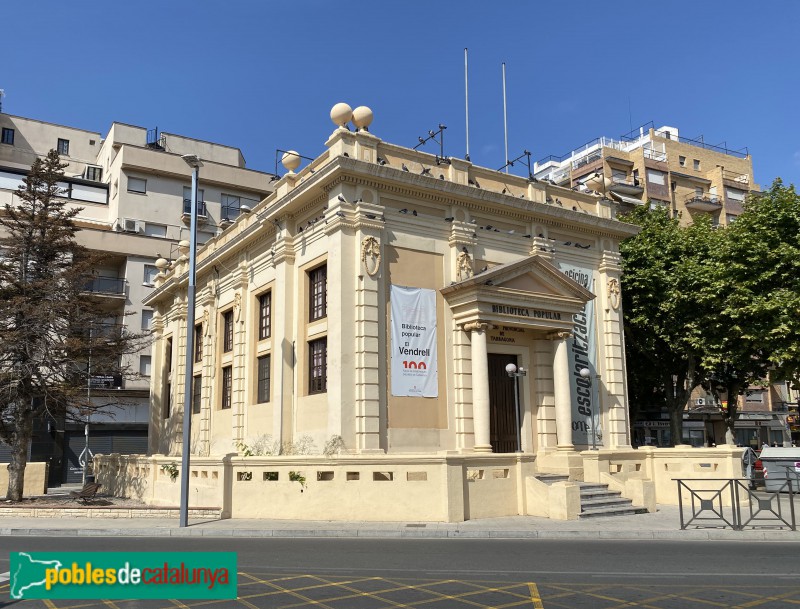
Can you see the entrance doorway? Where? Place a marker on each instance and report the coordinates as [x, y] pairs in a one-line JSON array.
[[502, 420]]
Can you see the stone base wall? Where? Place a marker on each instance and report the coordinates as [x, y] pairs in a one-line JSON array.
[[35, 479], [103, 512], [438, 488]]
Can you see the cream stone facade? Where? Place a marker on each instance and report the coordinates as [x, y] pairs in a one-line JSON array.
[[131, 187]]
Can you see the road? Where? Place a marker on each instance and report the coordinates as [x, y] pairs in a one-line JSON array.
[[437, 573]]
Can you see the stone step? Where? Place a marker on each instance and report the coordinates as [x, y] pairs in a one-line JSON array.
[[598, 494], [551, 478], [605, 502], [589, 487], [613, 511]]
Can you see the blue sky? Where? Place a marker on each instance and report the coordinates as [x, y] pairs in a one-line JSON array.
[[262, 75]]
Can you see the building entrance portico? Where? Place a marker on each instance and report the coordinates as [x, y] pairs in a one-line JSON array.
[[523, 305]]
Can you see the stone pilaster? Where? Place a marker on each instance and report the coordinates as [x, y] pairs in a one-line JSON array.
[[611, 348], [542, 377]]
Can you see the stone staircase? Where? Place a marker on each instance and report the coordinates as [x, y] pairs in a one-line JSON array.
[[597, 500]]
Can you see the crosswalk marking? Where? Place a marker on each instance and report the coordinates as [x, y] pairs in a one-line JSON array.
[[4, 577]]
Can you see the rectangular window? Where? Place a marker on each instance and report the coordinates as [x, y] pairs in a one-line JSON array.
[[150, 272], [682, 161], [166, 411], [155, 230], [735, 195], [227, 387], [264, 316], [187, 201], [730, 218], [230, 207], [696, 163], [63, 146], [168, 357], [197, 393], [318, 366], [318, 293], [658, 203], [198, 343], [144, 365], [227, 323], [8, 136], [656, 177], [698, 191], [137, 185], [94, 173], [263, 379], [755, 397], [147, 319]]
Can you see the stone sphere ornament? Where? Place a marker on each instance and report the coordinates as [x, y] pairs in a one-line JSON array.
[[362, 118], [341, 114]]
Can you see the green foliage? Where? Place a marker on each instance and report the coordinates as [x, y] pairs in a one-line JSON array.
[[713, 306], [297, 477], [171, 469]]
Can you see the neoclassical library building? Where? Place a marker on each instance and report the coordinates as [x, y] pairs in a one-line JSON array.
[[394, 327]]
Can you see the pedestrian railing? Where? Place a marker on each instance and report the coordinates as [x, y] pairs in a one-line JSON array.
[[724, 502]]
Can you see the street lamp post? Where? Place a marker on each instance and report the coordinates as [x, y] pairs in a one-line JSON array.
[[514, 373], [195, 163], [587, 374]]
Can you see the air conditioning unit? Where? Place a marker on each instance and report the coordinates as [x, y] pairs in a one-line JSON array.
[[130, 225], [700, 402]]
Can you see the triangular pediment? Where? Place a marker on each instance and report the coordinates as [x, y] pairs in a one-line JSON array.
[[527, 293], [532, 274], [528, 282]]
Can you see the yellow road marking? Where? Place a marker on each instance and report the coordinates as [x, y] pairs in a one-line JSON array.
[[535, 598]]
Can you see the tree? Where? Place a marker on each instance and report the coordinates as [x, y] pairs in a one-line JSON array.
[[48, 325], [757, 284], [665, 273]]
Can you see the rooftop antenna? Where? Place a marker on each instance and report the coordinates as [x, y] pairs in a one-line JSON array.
[[505, 116], [2, 94], [432, 135], [466, 97]]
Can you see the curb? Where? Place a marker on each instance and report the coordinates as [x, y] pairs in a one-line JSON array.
[[676, 535]]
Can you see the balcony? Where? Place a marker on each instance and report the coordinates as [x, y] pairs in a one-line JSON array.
[[202, 214], [703, 202], [659, 156], [628, 186], [113, 287]]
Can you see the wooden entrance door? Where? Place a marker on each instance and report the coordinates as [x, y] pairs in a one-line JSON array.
[[502, 420]]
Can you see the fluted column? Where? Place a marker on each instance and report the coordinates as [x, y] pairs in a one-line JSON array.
[[561, 391], [480, 386]]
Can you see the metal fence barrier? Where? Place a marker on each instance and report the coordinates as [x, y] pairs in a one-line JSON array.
[[731, 503]]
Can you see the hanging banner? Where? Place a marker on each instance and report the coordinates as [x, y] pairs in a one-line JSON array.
[[413, 346], [583, 354]]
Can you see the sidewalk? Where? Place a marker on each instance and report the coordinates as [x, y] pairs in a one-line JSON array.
[[662, 525]]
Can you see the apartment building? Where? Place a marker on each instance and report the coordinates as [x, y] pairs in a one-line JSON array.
[[133, 189], [659, 167], [662, 168]]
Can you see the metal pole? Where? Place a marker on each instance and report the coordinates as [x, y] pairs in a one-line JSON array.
[[505, 118], [516, 411], [188, 376], [88, 412], [466, 98], [591, 418]]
